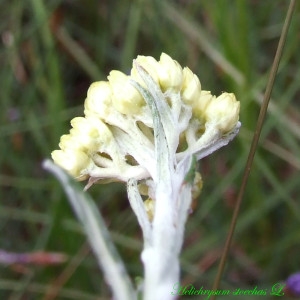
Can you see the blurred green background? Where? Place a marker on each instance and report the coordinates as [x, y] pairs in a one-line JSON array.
[[51, 51]]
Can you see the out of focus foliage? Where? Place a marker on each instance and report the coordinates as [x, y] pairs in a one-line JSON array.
[[51, 51]]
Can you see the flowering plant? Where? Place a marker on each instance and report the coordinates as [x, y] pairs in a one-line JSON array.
[[149, 129]]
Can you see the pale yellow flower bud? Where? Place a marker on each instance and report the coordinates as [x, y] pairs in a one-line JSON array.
[[150, 64], [126, 99], [191, 87], [74, 161], [199, 106], [91, 133], [67, 141], [98, 99], [223, 112], [169, 73]]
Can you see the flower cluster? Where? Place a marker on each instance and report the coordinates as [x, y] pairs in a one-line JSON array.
[[115, 141], [149, 129]]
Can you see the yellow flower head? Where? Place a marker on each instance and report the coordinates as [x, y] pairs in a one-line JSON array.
[[127, 115]]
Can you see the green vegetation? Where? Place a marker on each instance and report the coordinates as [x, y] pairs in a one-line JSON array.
[[53, 50]]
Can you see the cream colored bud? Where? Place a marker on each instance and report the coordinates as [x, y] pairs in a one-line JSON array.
[[150, 64], [74, 161], [90, 133], [126, 99], [169, 73], [67, 141], [199, 106], [191, 87], [223, 111], [98, 101]]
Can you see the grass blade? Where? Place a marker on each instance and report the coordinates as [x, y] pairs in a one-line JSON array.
[[97, 233], [254, 143]]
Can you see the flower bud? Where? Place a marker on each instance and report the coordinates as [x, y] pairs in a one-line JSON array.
[[169, 73], [67, 141], [74, 161], [91, 133], [223, 111], [199, 106], [191, 87], [98, 101], [150, 64], [126, 99]]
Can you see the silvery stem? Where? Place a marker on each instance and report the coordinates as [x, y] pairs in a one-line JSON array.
[[163, 237], [161, 257]]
